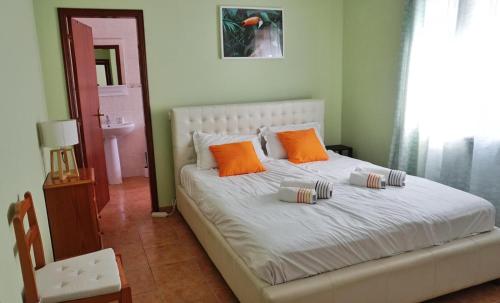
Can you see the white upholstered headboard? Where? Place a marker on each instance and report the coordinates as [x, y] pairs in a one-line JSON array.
[[243, 118]]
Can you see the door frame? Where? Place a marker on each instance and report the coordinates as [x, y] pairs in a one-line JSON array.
[[65, 16]]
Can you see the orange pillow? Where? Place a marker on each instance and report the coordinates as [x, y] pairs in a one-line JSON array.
[[236, 159], [302, 146]]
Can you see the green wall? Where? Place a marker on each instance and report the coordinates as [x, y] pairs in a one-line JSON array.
[[114, 66], [22, 105], [371, 50], [102, 53], [184, 68]]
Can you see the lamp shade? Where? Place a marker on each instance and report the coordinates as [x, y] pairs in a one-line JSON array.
[[59, 133]]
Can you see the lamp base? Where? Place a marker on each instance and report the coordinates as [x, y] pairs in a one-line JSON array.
[[63, 171]]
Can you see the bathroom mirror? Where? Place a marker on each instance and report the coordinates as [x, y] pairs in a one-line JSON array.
[[107, 64]]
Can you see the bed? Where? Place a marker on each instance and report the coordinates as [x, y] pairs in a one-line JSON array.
[[457, 248]]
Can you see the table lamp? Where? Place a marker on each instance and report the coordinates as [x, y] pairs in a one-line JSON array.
[[61, 134]]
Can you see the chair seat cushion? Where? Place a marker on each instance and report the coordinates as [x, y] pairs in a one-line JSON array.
[[79, 277]]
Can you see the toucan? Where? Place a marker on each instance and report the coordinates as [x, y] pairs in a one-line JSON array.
[[252, 21]]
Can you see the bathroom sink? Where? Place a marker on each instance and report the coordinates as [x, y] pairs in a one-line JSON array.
[[117, 130], [111, 133]]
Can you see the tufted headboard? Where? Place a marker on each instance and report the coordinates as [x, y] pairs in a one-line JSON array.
[[243, 118]]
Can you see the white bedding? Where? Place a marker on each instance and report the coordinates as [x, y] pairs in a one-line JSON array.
[[282, 241]]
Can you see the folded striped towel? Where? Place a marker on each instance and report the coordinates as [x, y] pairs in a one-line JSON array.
[[392, 176], [366, 179], [324, 189], [297, 195]]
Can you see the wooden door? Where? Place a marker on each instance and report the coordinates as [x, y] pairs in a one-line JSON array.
[[91, 136]]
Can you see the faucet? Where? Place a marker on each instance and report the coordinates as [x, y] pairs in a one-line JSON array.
[[107, 121]]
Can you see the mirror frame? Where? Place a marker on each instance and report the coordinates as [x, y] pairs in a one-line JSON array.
[[107, 65]]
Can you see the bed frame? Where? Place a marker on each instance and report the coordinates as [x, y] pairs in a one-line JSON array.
[[409, 277]]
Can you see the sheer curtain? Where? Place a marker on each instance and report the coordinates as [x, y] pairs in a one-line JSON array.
[[448, 116]]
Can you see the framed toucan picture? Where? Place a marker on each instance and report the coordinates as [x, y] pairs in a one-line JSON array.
[[251, 32]]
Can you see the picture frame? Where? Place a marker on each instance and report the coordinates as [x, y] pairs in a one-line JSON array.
[[251, 32]]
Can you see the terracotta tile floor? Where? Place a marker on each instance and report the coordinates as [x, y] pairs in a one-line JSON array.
[[165, 263]]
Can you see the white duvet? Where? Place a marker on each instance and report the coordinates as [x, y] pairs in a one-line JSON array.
[[282, 241]]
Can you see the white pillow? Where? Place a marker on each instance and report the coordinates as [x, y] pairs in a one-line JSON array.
[[273, 145], [204, 157]]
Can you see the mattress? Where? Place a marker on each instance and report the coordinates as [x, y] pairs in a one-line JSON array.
[[281, 242]]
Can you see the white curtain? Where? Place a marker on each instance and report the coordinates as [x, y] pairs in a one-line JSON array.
[[448, 124]]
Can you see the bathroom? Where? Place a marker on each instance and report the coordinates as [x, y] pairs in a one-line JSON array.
[[120, 99]]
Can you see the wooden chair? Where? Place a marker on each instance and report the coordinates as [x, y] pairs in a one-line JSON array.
[[75, 281]]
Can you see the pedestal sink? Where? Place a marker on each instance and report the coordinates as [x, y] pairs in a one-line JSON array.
[[111, 134]]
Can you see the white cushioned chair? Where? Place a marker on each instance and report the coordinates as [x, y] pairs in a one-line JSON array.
[[91, 278]]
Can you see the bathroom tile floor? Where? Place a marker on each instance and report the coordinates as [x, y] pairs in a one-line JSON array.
[[165, 263]]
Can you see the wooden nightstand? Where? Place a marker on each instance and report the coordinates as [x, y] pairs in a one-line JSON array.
[[340, 149], [72, 215]]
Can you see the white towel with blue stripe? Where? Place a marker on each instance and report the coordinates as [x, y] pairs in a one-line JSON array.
[[323, 188], [392, 177]]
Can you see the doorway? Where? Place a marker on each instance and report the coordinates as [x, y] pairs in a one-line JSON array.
[[100, 71]]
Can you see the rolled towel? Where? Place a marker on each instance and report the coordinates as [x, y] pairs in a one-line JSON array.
[[367, 179], [392, 176], [297, 195], [324, 189]]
